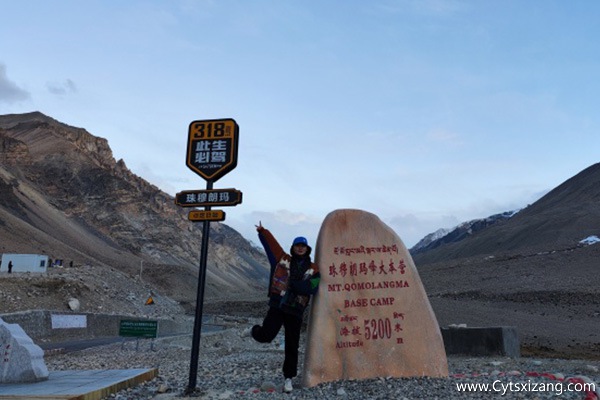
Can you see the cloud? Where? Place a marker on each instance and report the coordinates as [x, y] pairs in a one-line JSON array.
[[62, 88], [9, 91]]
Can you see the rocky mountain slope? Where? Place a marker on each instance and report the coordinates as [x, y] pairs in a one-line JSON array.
[[559, 220], [64, 195], [458, 233], [530, 271]]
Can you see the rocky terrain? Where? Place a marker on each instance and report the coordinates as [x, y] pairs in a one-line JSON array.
[[551, 297], [231, 367], [99, 289]]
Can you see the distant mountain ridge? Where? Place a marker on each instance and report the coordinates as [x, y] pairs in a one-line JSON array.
[[63, 194], [559, 220], [459, 232], [430, 238]]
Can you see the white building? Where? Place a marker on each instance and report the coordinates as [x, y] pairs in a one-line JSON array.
[[24, 262]]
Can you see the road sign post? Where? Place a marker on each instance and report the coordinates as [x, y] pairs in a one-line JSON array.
[[211, 153], [199, 304]]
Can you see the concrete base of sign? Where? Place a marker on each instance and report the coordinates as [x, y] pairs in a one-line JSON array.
[[371, 316], [492, 341]]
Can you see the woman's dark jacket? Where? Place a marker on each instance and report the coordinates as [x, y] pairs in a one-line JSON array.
[[293, 279]]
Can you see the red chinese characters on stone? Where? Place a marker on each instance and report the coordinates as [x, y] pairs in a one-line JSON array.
[[349, 333], [353, 269], [371, 329], [351, 330]]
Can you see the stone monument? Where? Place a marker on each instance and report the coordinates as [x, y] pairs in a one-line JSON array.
[[371, 316], [21, 360]]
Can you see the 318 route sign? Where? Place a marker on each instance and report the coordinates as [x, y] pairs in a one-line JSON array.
[[212, 147]]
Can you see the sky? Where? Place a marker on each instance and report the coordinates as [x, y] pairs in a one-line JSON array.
[[426, 113]]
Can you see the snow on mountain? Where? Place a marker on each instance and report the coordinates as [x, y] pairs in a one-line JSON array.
[[459, 232], [432, 237], [590, 240]]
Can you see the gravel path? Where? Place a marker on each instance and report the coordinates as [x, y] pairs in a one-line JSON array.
[[231, 367]]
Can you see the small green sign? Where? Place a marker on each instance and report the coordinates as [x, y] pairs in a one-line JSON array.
[[133, 328]]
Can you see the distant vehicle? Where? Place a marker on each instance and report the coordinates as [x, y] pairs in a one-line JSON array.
[[24, 262]]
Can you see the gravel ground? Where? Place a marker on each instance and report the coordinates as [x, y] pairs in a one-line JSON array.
[[231, 367]]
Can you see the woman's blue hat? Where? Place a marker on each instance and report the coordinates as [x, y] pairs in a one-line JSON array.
[[300, 240]]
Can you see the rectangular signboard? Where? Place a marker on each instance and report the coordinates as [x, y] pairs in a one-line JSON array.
[[206, 215], [132, 328], [207, 198], [68, 321]]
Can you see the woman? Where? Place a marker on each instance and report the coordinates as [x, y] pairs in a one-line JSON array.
[[293, 279]]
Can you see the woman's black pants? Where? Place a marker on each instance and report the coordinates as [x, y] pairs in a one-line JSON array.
[[270, 328]]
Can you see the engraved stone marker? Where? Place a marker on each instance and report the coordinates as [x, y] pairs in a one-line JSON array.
[[21, 360], [371, 316]]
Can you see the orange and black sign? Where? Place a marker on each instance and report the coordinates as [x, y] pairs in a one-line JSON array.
[[212, 147], [206, 215]]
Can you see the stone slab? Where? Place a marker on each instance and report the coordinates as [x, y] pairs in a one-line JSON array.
[[81, 385], [21, 360], [371, 316], [482, 341]]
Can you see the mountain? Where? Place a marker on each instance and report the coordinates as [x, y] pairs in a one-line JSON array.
[[559, 220], [458, 233], [531, 271], [63, 194], [429, 239]]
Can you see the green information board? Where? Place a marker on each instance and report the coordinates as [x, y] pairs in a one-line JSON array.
[[139, 328]]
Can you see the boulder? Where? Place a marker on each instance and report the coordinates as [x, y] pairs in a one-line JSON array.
[[74, 304], [371, 316]]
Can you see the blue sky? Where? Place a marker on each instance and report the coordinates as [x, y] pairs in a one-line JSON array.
[[426, 113]]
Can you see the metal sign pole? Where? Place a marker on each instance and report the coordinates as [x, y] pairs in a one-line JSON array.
[[211, 153], [199, 303]]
